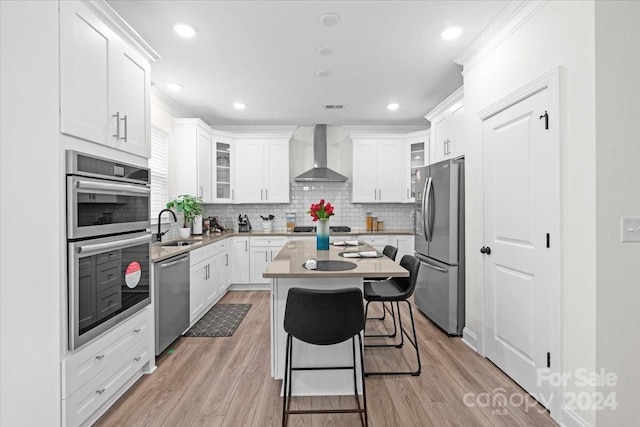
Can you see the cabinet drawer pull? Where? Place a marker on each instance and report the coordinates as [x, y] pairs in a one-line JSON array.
[[100, 391], [100, 357], [266, 194], [137, 359], [135, 331]]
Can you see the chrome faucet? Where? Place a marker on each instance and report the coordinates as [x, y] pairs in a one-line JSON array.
[[160, 234]]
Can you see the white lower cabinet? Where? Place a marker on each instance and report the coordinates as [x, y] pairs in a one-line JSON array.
[[239, 250], [263, 251], [404, 243], [208, 278], [97, 372]]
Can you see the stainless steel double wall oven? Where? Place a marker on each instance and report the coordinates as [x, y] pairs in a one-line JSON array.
[[108, 243]]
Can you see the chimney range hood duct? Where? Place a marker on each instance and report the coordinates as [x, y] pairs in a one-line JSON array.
[[320, 171]]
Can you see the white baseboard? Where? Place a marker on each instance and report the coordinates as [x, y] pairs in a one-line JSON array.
[[571, 419], [250, 287], [470, 339]]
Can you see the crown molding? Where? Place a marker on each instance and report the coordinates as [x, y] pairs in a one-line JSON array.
[[517, 13], [386, 130], [456, 96], [164, 101], [120, 26]]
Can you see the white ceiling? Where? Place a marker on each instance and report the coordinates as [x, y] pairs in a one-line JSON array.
[[263, 53]]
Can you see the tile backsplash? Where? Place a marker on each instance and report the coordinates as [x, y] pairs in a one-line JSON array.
[[396, 216]]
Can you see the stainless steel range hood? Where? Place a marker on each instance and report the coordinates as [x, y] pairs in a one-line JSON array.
[[320, 172]]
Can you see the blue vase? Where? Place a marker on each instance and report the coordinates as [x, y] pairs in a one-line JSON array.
[[322, 235]]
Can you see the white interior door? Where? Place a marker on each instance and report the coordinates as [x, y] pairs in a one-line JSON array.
[[517, 273]]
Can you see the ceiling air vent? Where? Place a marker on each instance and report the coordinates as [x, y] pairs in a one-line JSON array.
[[334, 106]]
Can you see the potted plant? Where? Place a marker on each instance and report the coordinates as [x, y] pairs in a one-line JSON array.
[[190, 208]]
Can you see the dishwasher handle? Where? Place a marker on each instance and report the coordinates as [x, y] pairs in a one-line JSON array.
[[175, 261]]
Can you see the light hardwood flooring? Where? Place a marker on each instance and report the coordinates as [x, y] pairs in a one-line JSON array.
[[227, 382]]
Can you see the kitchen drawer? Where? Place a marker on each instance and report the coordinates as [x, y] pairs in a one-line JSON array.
[[108, 274], [268, 241], [109, 301], [378, 242], [199, 255], [219, 246], [109, 256], [90, 360], [91, 396]]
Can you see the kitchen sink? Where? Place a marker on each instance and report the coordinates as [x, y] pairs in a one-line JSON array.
[[179, 243]]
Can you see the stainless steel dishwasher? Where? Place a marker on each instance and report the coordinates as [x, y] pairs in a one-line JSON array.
[[171, 300]]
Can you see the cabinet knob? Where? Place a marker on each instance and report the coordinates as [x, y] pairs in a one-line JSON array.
[[137, 359], [100, 391], [135, 331], [100, 357]]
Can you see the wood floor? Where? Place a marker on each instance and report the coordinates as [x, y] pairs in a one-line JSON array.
[[226, 382]]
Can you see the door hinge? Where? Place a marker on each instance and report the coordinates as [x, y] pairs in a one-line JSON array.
[[548, 360], [546, 119], [548, 241]]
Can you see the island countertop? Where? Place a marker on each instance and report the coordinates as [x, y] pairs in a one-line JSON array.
[[289, 263]]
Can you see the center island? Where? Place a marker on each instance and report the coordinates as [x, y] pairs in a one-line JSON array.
[[287, 271]]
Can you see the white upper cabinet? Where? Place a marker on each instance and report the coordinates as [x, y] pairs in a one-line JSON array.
[[200, 159], [416, 155], [447, 128], [378, 169], [222, 167], [261, 169], [105, 82]]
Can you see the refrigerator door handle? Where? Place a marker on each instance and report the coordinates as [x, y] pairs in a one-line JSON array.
[[431, 266], [426, 209]]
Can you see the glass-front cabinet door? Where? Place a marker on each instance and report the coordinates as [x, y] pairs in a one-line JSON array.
[[223, 171], [417, 156]]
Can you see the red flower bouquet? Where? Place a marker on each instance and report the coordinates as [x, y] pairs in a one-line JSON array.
[[320, 210]]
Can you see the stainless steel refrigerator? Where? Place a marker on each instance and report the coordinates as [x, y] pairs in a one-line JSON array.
[[439, 243]]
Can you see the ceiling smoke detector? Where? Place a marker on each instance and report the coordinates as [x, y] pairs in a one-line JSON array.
[[329, 19], [325, 50]]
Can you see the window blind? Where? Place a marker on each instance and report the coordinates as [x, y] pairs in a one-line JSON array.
[[159, 165]]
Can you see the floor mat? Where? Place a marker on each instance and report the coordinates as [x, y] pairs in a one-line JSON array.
[[221, 321]]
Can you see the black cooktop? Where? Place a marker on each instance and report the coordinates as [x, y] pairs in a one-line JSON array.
[[312, 229]]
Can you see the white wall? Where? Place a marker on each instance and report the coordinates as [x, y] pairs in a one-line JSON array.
[[560, 34], [31, 209], [617, 195]]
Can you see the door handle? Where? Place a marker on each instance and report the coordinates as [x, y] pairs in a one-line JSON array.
[[125, 128], [117, 116], [426, 209], [485, 250]]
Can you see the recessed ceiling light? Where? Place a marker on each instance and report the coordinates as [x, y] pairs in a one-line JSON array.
[[239, 105], [323, 73], [174, 87], [185, 30], [329, 19], [393, 106], [325, 50], [451, 33]]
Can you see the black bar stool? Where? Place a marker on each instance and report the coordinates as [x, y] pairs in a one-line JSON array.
[[324, 317], [396, 290], [390, 252]]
